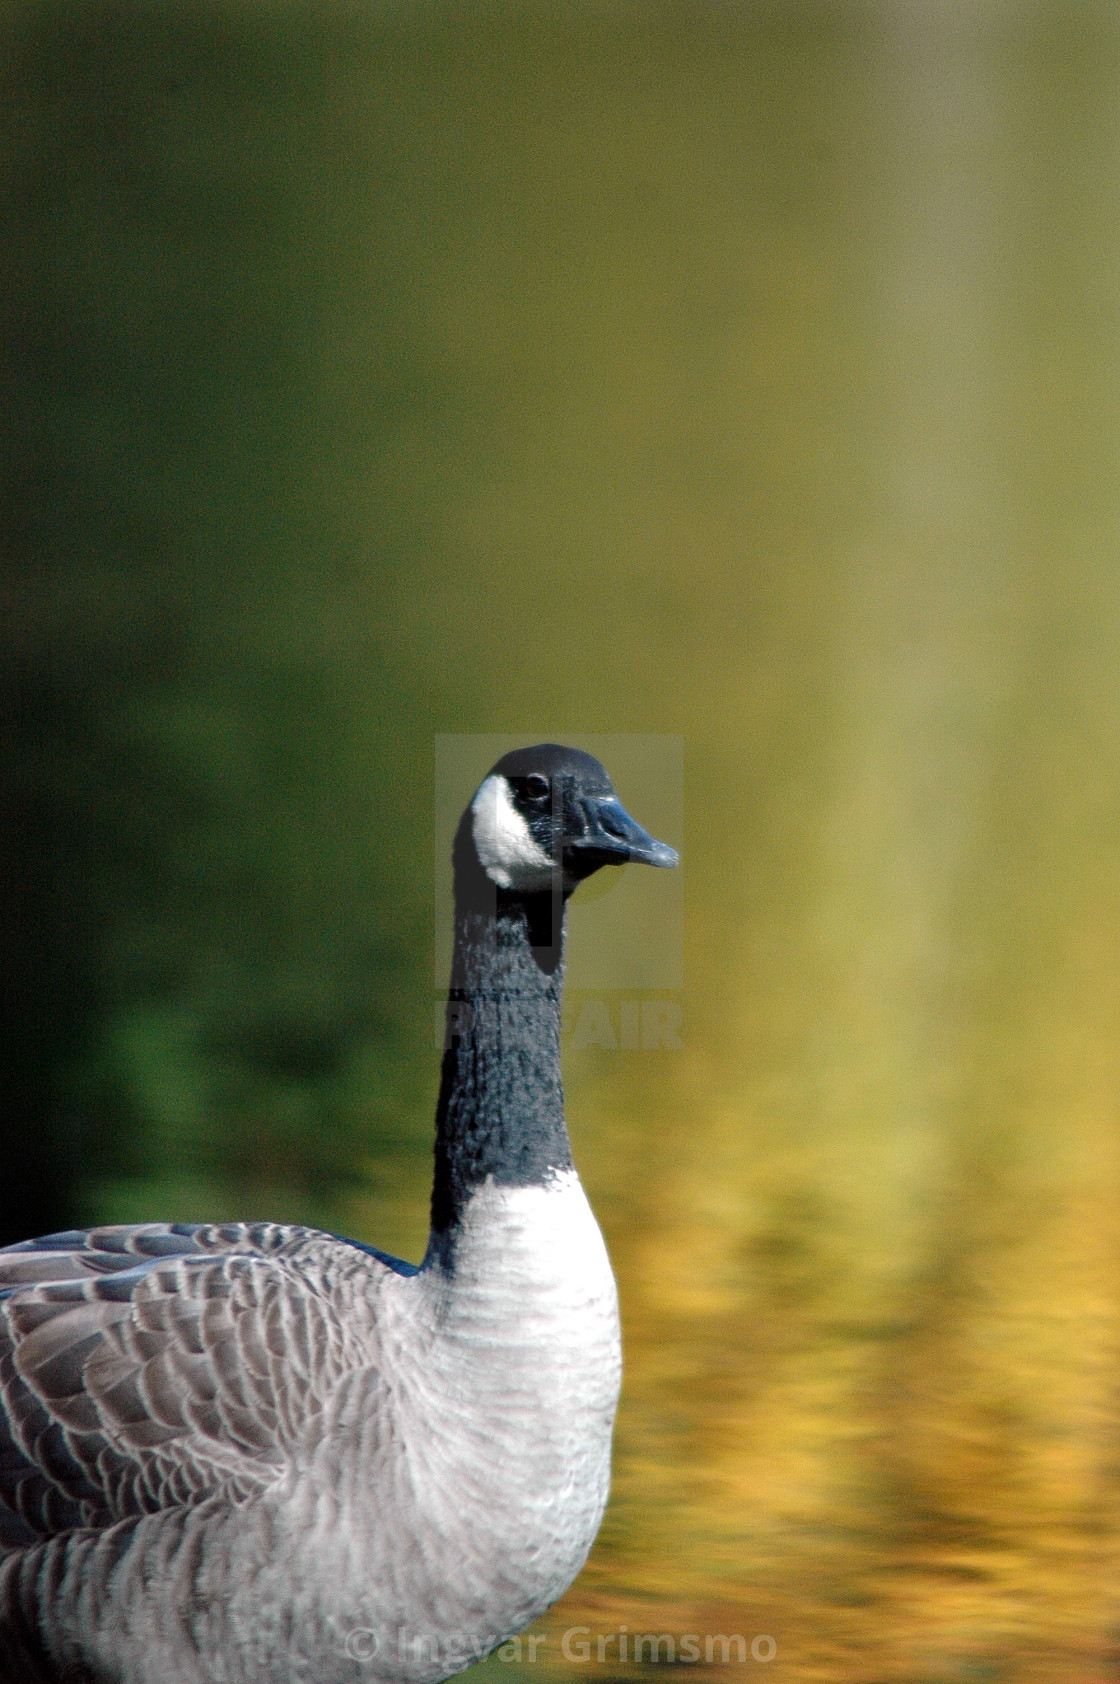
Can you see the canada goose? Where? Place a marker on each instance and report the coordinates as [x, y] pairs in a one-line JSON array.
[[256, 1454]]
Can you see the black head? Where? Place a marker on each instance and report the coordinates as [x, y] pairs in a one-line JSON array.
[[545, 818]]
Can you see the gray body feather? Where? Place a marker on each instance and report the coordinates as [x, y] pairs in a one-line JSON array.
[[256, 1453]]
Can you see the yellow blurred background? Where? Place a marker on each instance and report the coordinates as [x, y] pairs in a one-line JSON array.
[[748, 372]]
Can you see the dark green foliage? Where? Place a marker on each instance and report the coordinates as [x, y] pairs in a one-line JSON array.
[[216, 802]]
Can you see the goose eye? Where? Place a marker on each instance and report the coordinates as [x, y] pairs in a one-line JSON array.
[[536, 787]]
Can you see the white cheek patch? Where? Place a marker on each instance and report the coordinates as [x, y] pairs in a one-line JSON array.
[[506, 848]]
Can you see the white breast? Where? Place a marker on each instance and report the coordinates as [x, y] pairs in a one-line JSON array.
[[454, 1491], [526, 1353], [505, 1382]]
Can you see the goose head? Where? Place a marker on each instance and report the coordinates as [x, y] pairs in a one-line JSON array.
[[545, 818]]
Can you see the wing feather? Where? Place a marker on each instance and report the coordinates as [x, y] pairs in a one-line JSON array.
[[142, 1367]]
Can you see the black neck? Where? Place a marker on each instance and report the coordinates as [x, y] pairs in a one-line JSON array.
[[501, 1104]]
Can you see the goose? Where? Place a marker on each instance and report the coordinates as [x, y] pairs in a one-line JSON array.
[[254, 1453]]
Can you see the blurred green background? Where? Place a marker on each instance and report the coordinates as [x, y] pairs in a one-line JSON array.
[[744, 371]]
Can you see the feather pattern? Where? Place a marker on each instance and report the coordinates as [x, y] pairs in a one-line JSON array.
[[145, 1367], [243, 1451]]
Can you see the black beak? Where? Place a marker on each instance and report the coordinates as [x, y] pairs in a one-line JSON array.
[[611, 837]]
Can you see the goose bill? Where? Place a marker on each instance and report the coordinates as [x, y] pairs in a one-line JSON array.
[[611, 837]]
